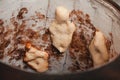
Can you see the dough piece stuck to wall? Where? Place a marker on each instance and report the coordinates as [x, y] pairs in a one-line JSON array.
[[98, 49], [37, 59], [62, 29]]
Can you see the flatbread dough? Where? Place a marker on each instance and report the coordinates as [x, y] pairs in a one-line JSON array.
[[61, 30], [98, 49], [37, 59]]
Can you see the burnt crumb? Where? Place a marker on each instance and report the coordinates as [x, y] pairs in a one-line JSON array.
[[18, 54], [1, 29], [25, 67], [1, 22], [108, 44], [14, 22], [111, 35], [40, 15], [53, 52], [11, 58], [46, 36], [4, 44], [71, 51], [11, 51], [74, 67], [110, 47], [33, 25], [49, 49], [88, 19], [21, 53], [20, 30], [19, 40], [21, 12], [47, 32], [7, 33], [32, 34]]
